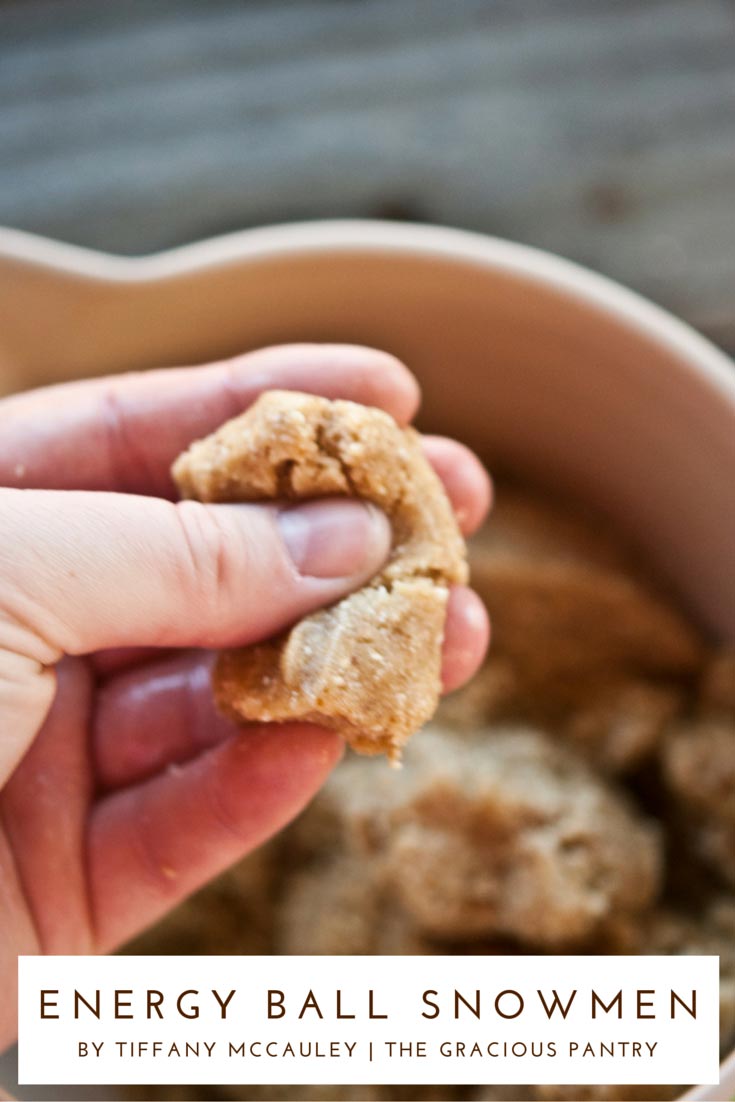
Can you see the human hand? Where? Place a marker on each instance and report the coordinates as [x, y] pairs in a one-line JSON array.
[[121, 789]]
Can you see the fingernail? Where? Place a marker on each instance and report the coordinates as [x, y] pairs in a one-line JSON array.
[[335, 539]]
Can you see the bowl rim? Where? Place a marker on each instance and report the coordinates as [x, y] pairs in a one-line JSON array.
[[431, 242]]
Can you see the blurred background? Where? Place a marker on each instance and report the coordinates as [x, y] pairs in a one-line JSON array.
[[603, 130]]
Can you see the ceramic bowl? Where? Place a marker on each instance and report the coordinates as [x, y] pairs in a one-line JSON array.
[[548, 370]]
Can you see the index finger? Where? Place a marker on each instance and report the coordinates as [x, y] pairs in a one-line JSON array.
[[122, 433]]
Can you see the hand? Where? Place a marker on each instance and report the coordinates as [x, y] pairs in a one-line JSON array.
[[121, 789]]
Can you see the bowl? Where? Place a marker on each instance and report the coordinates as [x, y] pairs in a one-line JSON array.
[[548, 370]]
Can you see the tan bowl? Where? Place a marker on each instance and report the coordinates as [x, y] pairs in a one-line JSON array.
[[547, 369]]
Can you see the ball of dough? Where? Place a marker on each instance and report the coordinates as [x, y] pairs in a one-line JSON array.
[[369, 666]]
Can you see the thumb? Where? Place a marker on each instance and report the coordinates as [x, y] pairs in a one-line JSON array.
[[84, 571]]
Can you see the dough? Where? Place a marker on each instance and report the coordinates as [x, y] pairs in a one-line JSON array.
[[717, 692], [601, 1092], [566, 628], [503, 834], [339, 907], [510, 820], [625, 724], [580, 647], [617, 724], [370, 665], [698, 765], [711, 932], [538, 527], [669, 932]]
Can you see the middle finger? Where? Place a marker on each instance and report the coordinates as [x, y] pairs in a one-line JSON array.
[[163, 713]]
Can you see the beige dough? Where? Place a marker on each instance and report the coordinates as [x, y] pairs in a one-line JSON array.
[[338, 906], [370, 665], [581, 645], [698, 766], [508, 833], [504, 834]]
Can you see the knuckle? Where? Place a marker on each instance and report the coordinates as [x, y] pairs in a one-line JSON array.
[[214, 563], [204, 551]]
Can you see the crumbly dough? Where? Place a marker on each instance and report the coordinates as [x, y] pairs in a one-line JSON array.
[[711, 932], [580, 647], [717, 692], [617, 725], [566, 628], [624, 725], [506, 816], [603, 1092], [670, 932], [539, 528], [370, 665], [504, 834], [339, 907], [332, 908], [575, 583], [273, 1092], [499, 1093], [698, 765]]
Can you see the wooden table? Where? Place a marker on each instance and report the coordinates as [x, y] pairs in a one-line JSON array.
[[600, 129]]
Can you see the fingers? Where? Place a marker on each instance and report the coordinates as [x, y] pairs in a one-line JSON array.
[[466, 637], [90, 571], [85, 571], [164, 712], [105, 663], [151, 716], [469, 489], [156, 841], [123, 432], [466, 481], [151, 845]]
